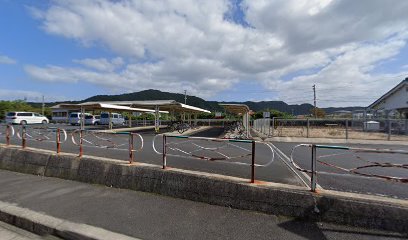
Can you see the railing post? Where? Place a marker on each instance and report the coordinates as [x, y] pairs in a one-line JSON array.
[[253, 163], [273, 125], [389, 129], [346, 129], [80, 143], [314, 175], [307, 128], [164, 151], [8, 135], [130, 148], [23, 137], [58, 140]]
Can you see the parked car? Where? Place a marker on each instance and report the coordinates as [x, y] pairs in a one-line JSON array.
[[114, 118], [75, 118], [92, 120], [25, 118]]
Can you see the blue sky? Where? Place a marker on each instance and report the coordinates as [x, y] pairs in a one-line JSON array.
[[220, 50]]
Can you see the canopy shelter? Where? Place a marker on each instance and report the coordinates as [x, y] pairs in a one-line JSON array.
[[102, 106], [242, 110], [170, 106]]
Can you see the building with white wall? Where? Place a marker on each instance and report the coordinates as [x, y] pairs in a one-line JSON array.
[[394, 102]]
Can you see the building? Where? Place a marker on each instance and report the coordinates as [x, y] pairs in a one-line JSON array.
[[394, 103]]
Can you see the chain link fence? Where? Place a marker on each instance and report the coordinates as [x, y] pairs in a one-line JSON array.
[[373, 129]]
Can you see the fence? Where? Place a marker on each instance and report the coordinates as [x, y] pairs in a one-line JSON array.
[[80, 138], [354, 168], [211, 149], [376, 129]]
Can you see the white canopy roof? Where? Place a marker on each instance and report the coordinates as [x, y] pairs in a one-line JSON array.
[[103, 106], [167, 105]]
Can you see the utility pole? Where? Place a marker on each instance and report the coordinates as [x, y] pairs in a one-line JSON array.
[[185, 96], [43, 105], [314, 100]]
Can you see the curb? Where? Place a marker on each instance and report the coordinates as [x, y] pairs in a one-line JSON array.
[[44, 225]]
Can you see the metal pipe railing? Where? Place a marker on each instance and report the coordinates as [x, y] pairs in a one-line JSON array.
[[174, 146], [356, 170]]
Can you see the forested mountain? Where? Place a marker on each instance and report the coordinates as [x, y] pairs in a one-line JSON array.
[[209, 105]]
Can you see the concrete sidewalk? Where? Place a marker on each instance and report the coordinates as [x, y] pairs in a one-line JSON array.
[[151, 216]]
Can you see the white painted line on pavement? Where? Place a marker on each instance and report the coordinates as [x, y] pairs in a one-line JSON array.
[[286, 160]]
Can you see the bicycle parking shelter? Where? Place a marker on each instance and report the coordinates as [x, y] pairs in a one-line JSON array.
[[157, 106], [240, 110]]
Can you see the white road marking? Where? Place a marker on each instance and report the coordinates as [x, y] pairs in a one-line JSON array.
[[286, 160]]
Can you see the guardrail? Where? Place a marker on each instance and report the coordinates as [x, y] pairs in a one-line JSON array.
[[41, 134], [221, 157], [355, 170], [97, 139], [8, 131]]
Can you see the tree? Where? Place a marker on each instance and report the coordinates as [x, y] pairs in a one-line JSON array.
[[318, 112]]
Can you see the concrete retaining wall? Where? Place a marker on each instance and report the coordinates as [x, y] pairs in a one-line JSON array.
[[271, 198]]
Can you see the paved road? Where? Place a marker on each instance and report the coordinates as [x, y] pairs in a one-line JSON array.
[[277, 171], [348, 159], [151, 216]]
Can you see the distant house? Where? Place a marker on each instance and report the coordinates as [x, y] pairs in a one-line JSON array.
[[341, 114], [394, 102], [61, 115]]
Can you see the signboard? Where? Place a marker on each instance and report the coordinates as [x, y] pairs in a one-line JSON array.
[[218, 114], [266, 115]]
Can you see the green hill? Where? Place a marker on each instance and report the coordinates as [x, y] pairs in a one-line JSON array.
[[213, 106]]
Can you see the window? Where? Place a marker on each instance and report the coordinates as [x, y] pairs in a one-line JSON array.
[[74, 115], [37, 115], [88, 117], [104, 115], [11, 114], [24, 114]]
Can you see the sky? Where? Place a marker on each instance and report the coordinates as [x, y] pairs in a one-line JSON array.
[[224, 50]]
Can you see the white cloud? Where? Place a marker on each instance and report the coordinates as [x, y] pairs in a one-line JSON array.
[[101, 64], [7, 60], [174, 45]]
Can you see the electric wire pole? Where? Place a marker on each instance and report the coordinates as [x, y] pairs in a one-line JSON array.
[[185, 96], [314, 100]]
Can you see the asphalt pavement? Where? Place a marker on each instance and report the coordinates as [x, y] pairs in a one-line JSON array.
[[336, 179], [151, 216]]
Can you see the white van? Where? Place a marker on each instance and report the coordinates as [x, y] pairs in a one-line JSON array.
[[75, 118], [115, 118], [25, 118]]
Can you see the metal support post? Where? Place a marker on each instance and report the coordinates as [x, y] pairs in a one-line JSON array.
[[164, 151], [24, 135], [130, 147], [314, 175], [307, 128], [346, 129], [273, 126], [58, 140], [253, 163], [8, 135], [80, 142], [389, 129]]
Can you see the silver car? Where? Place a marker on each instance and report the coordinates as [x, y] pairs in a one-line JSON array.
[[92, 120]]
